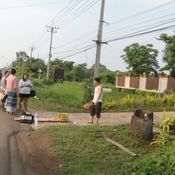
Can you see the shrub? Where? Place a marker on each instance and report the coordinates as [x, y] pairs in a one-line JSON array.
[[110, 105], [37, 83], [160, 164], [47, 81], [88, 90], [170, 99]]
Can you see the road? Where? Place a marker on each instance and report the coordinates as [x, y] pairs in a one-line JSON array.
[[10, 162], [119, 118]]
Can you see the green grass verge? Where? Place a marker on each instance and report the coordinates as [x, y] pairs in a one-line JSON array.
[[68, 97], [82, 151]]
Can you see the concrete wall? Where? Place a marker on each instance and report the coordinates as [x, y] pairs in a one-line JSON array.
[[134, 82], [152, 83], [142, 83], [163, 84], [121, 81], [159, 84], [127, 81], [171, 84]]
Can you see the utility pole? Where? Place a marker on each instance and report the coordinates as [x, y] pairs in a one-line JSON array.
[[99, 40], [52, 30], [31, 51]]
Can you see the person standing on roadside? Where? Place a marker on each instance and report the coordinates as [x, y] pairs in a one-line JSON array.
[[12, 89], [3, 95], [97, 101], [25, 85], [4, 81]]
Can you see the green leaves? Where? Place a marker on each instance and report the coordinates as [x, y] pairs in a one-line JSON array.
[[169, 53], [141, 59]]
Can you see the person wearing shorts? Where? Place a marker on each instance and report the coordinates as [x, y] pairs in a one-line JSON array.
[[25, 85], [97, 101]]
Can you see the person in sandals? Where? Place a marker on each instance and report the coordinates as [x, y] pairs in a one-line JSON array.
[[97, 101]]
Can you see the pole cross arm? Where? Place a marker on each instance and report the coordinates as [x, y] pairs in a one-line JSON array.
[[99, 42]]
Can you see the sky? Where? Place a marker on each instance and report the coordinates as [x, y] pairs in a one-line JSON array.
[[23, 25]]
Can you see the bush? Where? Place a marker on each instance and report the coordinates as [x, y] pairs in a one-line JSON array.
[[88, 90], [145, 93], [161, 164], [47, 81], [37, 83], [108, 76], [110, 105]]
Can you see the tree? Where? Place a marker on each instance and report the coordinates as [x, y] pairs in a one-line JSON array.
[[169, 53], [21, 57], [141, 59], [34, 64], [80, 73], [25, 64], [108, 76]]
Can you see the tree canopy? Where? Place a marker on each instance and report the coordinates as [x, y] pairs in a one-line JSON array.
[[169, 53], [141, 59], [72, 71]]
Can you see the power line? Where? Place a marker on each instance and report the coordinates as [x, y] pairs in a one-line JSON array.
[[122, 38], [162, 23], [75, 50], [152, 27], [40, 38], [123, 19], [76, 39], [29, 5], [144, 12], [79, 13], [71, 8], [139, 34], [135, 15], [77, 53], [142, 22], [61, 12], [125, 27], [68, 10]]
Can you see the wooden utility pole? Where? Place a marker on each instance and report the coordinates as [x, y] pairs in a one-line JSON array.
[[52, 30], [99, 40]]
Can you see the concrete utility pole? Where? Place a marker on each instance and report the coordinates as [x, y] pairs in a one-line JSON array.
[[31, 51], [52, 30], [99, 40]]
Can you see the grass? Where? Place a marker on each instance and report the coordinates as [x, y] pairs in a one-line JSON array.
[[68, 97], [129, 100], [59, 97], [82, 151]]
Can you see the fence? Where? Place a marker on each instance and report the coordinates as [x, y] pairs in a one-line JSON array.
[[158, 84]]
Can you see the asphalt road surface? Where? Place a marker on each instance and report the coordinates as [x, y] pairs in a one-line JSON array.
[[10, 162]]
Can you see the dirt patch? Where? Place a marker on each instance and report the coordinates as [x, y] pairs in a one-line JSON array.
[[37, 159]]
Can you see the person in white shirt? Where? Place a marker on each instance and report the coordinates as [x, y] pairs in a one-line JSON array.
[[3, 94], [97, 101], [25, 85], [3, 80]]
